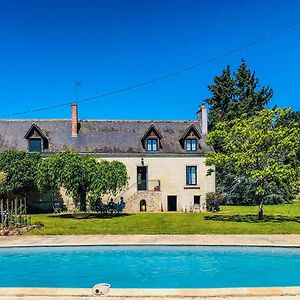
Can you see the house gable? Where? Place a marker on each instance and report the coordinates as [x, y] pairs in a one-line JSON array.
[[190, 133], [37, 136], [152, 133]]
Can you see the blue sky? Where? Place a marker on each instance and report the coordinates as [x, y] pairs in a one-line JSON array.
[[110, 44]]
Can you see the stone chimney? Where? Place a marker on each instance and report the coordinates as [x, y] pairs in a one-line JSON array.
[[74, 119], [202, 118]]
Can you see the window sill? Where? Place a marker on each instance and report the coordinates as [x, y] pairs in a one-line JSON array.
[[191, 187]]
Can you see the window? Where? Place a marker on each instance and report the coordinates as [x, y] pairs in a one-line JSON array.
[[35, 145], [196, 199], [191, 175], [191, 144], [152, 145]]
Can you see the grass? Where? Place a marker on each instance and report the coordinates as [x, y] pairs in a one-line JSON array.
[[280, 219]]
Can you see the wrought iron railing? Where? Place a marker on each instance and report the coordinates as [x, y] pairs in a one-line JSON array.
[[140, 186], [148, 185]]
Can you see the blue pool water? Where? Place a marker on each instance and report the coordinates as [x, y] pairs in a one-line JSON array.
[[149, 267]]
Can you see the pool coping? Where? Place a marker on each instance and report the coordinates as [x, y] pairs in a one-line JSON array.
[[181, 293], [278, 240]]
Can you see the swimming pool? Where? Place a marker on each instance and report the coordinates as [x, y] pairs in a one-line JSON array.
[[150, 266]]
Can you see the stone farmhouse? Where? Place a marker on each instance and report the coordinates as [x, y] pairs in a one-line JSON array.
[[164, 159]]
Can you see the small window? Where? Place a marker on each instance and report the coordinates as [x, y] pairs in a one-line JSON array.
[[196, 199], [191, 175], [191, 144], [152, 145], [35, 145]]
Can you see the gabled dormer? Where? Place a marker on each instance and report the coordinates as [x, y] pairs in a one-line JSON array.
[[36, 139], [152, 139], [190, 139]]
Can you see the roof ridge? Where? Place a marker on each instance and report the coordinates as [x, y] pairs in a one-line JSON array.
[[96, 120], [136, 121]]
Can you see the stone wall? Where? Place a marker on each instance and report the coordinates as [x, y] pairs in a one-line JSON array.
[[152, 198], [171, 172]]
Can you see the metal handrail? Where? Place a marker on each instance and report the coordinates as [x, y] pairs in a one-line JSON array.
[[152, 185]]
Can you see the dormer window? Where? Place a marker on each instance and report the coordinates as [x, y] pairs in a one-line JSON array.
[[35, 145], [191, 144], [36, 139], [151, 140], [152, 145], [189, 140]]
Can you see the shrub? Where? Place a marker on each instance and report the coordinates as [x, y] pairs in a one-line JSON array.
[[213, 201], [239, 190]]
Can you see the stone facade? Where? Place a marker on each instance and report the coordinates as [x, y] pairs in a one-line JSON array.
[[170, 172], [151, 200]]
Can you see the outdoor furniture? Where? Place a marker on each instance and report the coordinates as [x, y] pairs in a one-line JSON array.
[[57, 208], [110, 208], [196, 208]]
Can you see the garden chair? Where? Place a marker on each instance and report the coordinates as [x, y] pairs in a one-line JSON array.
[[196, 208], [57, 208]]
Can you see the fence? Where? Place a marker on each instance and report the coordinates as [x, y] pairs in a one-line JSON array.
[[13, 213]]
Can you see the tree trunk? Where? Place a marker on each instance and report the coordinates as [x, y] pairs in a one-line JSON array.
[[83, 201], [260, 215]]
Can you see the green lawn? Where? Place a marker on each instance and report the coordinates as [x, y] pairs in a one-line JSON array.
[[283, 218]]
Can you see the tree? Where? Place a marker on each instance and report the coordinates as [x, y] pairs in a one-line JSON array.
[[81, 176], [110, 178], [237, 94], [261, 148], [222, 95], [18, 171], [251, 99]]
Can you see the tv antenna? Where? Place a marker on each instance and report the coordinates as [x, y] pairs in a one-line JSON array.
[[77, 83]]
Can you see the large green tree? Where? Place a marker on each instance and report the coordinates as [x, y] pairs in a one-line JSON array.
[[18, 171], [234, 94], [81, 176], [110, 178], [222, 95], [262, 148]]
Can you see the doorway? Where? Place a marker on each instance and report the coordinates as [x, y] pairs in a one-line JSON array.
[[196, 200], [143, 205], [172, 203], [142, 178]]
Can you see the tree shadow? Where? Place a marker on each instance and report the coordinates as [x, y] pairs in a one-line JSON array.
[[252, 218], [109, 216], [91, 216]]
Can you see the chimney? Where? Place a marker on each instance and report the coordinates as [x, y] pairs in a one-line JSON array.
[[74, 119], [202, 118]]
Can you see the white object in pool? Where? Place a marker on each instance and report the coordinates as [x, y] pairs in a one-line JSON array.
[[100, 289]]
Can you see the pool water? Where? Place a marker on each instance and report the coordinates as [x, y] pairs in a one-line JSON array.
[[150, 266]]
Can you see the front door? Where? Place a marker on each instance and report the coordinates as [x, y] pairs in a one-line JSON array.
[[172, 203], [142, 178]]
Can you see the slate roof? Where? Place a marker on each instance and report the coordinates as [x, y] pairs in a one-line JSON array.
[[98, 136]]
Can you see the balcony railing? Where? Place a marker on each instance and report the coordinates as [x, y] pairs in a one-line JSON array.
[[148, 185]]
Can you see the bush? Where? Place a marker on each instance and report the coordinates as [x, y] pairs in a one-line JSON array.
[[213, 201], [240, 190]]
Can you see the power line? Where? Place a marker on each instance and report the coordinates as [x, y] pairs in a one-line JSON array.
[[165, 76]]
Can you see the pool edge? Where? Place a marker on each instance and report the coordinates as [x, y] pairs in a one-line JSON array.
[[148, 244], [114, 292], [256, 240]]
